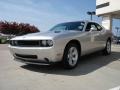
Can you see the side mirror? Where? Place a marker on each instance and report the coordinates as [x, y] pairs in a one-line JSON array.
[[93, 29]]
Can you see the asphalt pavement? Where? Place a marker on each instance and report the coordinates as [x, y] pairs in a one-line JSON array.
[[94, 72]]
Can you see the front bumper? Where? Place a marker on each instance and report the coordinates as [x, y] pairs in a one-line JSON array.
[[36, 55], [36, 62]]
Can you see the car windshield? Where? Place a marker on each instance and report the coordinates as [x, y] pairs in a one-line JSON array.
[[69, 26]]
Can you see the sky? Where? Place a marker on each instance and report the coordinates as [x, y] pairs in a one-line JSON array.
[[46, 13]]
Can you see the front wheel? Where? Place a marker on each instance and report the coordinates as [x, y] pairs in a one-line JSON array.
[[107, 49], [71, 56]]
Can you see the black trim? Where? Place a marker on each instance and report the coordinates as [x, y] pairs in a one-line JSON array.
[[103, 5], [27, 56], [39, 62], [32, 61]]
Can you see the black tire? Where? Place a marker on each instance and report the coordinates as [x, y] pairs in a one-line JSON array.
[[107, 50], [66, 57]]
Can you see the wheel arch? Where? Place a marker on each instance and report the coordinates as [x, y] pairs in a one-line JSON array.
[[74, 41], [64, 60]]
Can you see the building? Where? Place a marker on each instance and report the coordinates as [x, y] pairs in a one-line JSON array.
[[109, 10]]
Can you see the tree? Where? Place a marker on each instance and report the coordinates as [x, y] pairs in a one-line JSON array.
[[17, 28]]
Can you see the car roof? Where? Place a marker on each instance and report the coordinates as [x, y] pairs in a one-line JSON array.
[[86, 21]]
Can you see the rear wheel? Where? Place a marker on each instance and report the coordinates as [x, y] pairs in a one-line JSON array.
[[107, 49], [71, 56]]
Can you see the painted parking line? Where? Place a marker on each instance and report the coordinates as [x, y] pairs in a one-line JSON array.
[[115, 88]]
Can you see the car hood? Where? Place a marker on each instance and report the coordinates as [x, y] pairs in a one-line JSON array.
[[45, 35]]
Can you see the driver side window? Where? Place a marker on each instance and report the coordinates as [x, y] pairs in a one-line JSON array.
[[91, 26]]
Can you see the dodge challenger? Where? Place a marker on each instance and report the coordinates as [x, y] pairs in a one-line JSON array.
[[65, 42]]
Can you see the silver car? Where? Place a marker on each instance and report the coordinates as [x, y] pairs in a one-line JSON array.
[[65, 42]]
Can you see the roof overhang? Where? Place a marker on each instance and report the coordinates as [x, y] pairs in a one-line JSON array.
[[108, 7]]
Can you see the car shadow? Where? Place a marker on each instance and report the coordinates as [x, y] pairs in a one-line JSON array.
[[87, 64]]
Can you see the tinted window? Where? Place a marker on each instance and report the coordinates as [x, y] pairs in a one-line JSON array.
[[93, 25], [90, 25]]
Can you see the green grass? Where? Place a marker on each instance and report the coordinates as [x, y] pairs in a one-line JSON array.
[[3, 40]]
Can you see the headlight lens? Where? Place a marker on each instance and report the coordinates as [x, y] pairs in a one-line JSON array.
[[44, 42], [47, 43], [13, 42], [50, 42]]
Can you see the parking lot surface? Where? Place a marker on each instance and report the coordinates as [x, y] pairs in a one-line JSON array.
[[94, 72]]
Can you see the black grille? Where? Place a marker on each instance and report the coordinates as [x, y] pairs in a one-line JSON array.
[[27, 56], [30, 43], [25, 43]]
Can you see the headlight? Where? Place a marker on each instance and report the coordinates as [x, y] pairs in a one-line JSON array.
[[47, 43], [50, 42], [13, 42], [44, 43]]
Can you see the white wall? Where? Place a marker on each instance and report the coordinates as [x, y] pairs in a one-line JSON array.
[[113, 6]]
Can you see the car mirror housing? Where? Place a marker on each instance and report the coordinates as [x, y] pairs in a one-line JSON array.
[[93, 29]]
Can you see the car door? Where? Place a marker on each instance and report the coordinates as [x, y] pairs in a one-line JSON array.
[[89, 43], [97, 36]]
